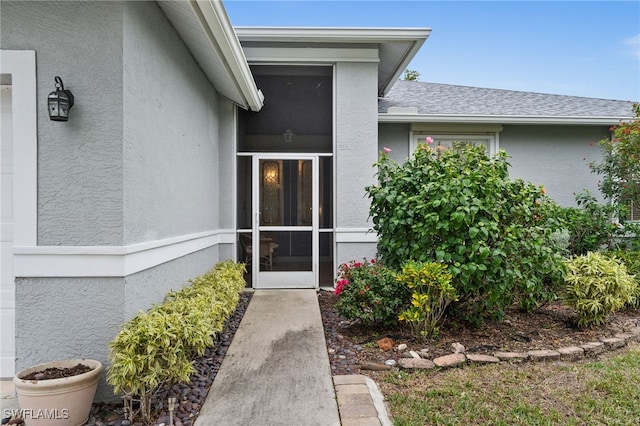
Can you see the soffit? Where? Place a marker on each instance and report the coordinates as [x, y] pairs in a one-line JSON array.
[[205, 28], [396, 46]]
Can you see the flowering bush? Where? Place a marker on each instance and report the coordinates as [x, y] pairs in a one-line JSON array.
[[459, 207], [369, 292], [620, 166]]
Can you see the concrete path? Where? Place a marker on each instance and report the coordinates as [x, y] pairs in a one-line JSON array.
[[276, 371]]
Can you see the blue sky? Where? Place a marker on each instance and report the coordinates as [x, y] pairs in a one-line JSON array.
[[580, 48]]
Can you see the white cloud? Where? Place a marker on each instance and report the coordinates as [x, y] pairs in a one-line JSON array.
[[634, 43]]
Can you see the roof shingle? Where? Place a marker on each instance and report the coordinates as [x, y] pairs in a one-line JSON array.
[[446, 99]]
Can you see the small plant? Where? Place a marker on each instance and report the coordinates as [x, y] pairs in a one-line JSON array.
[[158, 346], [432, 292], [596, 286], [369, 292]]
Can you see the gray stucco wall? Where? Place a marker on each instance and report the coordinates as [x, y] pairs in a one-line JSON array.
[[137, 162], [395, 136], [61, 318], [356, 150], [556, 157], [79, 162], [170, 132]]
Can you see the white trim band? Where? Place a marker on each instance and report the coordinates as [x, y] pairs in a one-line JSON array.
[[111, 261], [356, 235]]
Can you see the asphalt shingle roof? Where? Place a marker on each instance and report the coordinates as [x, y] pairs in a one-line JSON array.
[[445, 99]]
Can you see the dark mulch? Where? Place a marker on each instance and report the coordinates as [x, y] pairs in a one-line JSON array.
[[551, 326], [190, 396], [57, 373]]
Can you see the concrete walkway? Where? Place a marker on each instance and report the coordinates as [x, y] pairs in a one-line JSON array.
[[276, 371]]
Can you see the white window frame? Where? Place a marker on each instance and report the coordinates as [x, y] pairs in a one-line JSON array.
[[490, 141]]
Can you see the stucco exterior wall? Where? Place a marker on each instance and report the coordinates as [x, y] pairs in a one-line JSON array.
[[61, 318], [394, 136], [79, 162], [149, 287], [170, 132], [556, 157], [227, 164], [356, 129]]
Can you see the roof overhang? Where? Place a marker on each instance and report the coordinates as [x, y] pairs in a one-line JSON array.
[[396, 46], [500, 119], [205, 28]]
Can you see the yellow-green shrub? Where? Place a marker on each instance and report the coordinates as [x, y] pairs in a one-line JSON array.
[[158, 346], [430, 284], [596, 286]]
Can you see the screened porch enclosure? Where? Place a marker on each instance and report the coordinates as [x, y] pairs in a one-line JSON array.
[[285, 180]]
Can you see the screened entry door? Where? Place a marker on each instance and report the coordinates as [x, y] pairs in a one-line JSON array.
[[285, 205]]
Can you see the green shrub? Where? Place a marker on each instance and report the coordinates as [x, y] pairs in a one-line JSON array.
[[590, 225], [460, 207], [596, 286], [368, 291], [631, 260], [431, 293], [158, 346]]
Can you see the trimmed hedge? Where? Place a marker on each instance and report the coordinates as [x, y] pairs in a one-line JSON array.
[[158, 346]]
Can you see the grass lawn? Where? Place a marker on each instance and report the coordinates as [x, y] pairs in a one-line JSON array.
[[590, 392]]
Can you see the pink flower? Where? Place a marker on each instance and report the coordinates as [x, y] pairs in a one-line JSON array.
[[386, 150], [429, 140], [340, 285]]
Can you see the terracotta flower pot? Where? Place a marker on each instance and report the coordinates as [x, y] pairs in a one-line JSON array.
[[57, 402]]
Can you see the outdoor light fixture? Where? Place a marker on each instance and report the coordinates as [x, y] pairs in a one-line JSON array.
[[60, 102], [288, 135]]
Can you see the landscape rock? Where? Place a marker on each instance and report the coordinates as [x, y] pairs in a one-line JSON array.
[[416, 364], [458, 348], [414, 354], [628, 336], [593, 348], [543, 355], [613, 342], [450, 360], [511, 356], [390, 362], [402, 347], [482, 359], [374, 366], [385, 344], [571, 352]]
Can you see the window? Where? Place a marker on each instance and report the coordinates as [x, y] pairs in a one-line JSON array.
[[489, 141], [634, 212]]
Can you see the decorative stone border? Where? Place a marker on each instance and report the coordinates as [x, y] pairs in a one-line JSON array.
[[568, 353]]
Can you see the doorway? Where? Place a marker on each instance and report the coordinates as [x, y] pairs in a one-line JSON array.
[[285, 179]]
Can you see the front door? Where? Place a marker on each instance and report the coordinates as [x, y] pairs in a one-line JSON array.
[[285, 213]]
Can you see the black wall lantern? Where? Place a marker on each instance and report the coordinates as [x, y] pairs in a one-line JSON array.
[[60, 102]]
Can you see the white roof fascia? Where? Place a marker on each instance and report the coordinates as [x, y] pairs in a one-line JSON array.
[[501, 119], [415, 37], [215, 21], [330, 34]]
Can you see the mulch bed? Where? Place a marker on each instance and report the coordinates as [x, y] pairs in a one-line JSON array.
[[551, 326]]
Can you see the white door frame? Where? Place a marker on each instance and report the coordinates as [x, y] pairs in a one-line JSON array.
[[284, 279], [20, 67]]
